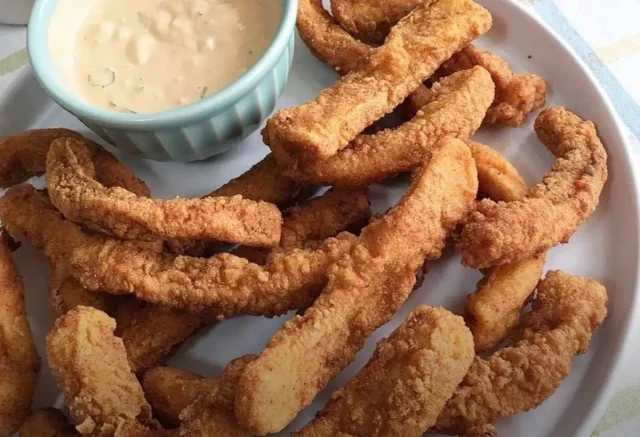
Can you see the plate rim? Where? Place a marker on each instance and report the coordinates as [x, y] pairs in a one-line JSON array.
[[601, 400]]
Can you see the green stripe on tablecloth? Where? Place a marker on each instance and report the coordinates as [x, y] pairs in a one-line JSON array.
[[624, 406], [13, 62]]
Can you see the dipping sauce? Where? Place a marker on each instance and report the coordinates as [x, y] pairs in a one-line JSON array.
[[153, 55]]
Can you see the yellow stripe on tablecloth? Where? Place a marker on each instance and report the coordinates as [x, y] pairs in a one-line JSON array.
[[13, 62], [620, 49]]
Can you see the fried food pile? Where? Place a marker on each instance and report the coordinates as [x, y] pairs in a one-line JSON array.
[[133, 277]]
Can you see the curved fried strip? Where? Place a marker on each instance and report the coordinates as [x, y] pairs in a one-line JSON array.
[[150, 333], [212, 414], [76, 193], [91, 368], [500, 233], [521, 376], [405, 384], [223, 285], [322, 217], [458, 105], [493, 310], [170, 391], [365, 289], [319, 128], [371, 20], [47, 422], [327, 40], [66, 293], [19, 361], [517, 95], [24, 155]]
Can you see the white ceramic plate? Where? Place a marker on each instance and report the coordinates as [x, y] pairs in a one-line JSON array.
[[605, 248]]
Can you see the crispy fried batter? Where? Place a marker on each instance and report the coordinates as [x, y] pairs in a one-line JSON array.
[[458, 104], [212, 414], [365, 289], [493, 310], [414, 49], [323, 217], [403, 387], [47, 422], [170, 391], [517, 95], [371, 20], [224, 285], [521, 376], [19, 361], [24, 155], [91, 368], [150, 333], [80, 197], [499, 233]]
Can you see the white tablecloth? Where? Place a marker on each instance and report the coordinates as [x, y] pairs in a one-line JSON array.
[[606, 35]]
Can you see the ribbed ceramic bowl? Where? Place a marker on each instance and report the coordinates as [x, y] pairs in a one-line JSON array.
[[189, 133]]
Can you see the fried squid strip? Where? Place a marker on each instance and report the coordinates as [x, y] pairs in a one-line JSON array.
[[499, 233], [414, 49], [366, 287], [48, 422], [521, 376], [19, 361], [80, 197], [405, 384], [457, 107], [493, 310]]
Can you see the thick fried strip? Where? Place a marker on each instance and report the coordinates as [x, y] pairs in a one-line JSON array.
[[403, 387], [24, 155], [365, 289], [493, 310], [150, 333], [323, 217], [414, 49], [223, 285], [371, 20], [170, 391], [457, 108], [520, 377], [212, 414], [80, 197], [517, 95], [263, 182], [47, 422], [91, 368], [499, 233], [19, 361]]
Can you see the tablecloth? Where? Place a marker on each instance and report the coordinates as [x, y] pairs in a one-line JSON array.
[[606, 35]]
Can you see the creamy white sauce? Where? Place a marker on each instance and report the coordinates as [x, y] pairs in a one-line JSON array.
[[154, 55]]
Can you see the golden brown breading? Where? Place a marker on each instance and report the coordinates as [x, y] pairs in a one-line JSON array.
[[19, 361], [517, 95], [366, 287], [456, 109], [371, 20], [493, 310], [223, 285], [27, 213], [499, 233], [48, 422], [80, 197], [403, 387], [170, 391], [150, 333], [521, 376], [91, 368], [414, 49], [212, 414], [322, 217]]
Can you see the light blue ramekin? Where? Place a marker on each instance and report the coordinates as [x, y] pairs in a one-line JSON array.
[[189, 133]]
